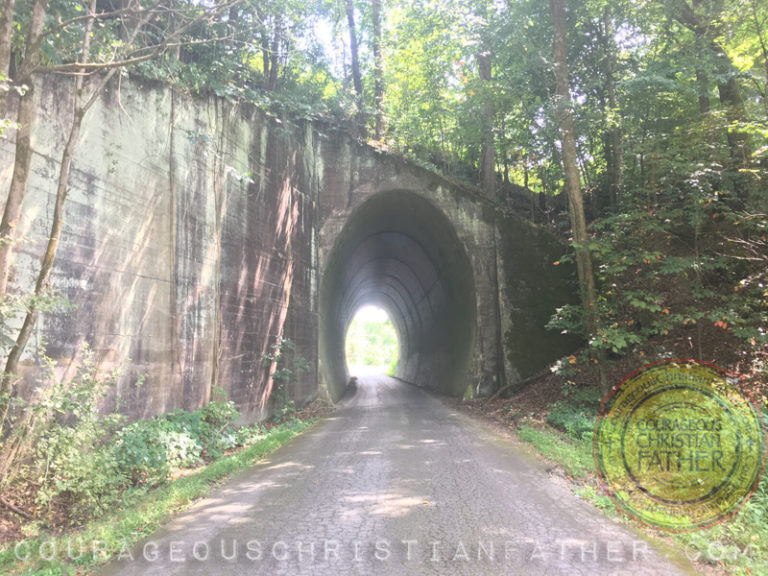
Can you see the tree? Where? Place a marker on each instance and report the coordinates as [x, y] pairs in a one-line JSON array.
[[485, 75], [23, 156], [707, 27], [134, 18], [6, 29], [357, 78], [571, 167], [378, 69], [614, 150]]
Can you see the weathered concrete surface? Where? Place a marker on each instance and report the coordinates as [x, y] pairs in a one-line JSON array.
[[532, 288], [197, 232], [400, 251], [395, 483]]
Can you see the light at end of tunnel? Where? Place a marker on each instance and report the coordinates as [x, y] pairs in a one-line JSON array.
[[371, 344]]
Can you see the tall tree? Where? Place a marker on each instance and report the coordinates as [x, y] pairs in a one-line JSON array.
[[136, 18], [25, 119], [705, 20], [485, 74], [6, 33], [357, 77], [378, 69], [571, 168], [614, 153]]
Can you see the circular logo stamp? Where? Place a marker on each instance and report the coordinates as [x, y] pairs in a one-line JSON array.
[[679, 444]]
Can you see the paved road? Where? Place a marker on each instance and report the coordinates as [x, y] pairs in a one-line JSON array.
[[394, 483]]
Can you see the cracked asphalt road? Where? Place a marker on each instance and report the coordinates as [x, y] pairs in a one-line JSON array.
[[394, 483]]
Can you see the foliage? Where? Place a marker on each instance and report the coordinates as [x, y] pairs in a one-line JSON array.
[[575, 456], [685, 261], [576, 412], [284, 366], [737, 545], [371, 342], [150, 450], [73, 464], [82, 460], [670, 103], [141, 513]]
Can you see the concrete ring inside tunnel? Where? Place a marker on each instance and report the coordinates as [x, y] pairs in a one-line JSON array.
[[401, 253]]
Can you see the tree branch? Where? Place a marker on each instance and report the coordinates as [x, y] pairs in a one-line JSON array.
[[518, 384], [16, 509]]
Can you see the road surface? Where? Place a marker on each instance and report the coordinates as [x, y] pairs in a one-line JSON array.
[[394, 483]]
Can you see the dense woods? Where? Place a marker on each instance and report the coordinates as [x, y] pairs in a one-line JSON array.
[[651, 118], [637, 130]]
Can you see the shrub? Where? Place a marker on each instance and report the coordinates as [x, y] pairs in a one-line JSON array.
[[576, 413], [247, 435], [217, 430], [79, 461], [149, 450], [286, 367], [75, 462]]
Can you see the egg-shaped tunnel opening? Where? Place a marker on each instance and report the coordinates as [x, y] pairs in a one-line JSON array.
[[399, 252]]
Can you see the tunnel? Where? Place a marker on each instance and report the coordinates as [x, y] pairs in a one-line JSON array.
[[399, 252]]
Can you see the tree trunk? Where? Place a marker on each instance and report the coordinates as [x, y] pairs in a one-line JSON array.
[[763, 48], [504, 151], [11, 366], [265, 58], [6, 31], [702, 76], [761, 36], [706, 29], [485, 75], [731, 100], [571, 167], [274, 60], [615, 155], [702, 84], [23, 157], [357, 79], [488, 161], [378, 69]]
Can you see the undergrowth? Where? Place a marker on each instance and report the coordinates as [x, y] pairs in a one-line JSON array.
[[137, 514], [737, 546], [75, 470]]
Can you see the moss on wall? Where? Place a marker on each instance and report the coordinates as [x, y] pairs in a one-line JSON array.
[[533, 289]]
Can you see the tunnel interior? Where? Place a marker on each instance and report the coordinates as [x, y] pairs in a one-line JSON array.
[[399, 252]]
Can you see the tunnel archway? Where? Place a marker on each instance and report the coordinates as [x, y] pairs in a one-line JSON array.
[[401, 253]]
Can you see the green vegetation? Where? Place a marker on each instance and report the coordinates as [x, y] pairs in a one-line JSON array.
[[79, 461], [284, 367], [139, 512], [371, 343], [576, 412], [72, 465], [653, 116], [573, 454], [738, 544]]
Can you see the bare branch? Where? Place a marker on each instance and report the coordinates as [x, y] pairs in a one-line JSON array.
[[16, 509], [130, 10]]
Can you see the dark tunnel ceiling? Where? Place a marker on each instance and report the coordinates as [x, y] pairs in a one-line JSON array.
[[399, 252]]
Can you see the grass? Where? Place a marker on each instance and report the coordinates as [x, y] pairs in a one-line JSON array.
[[740, 544], [737, 546], [572, 454], [140, 515]]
